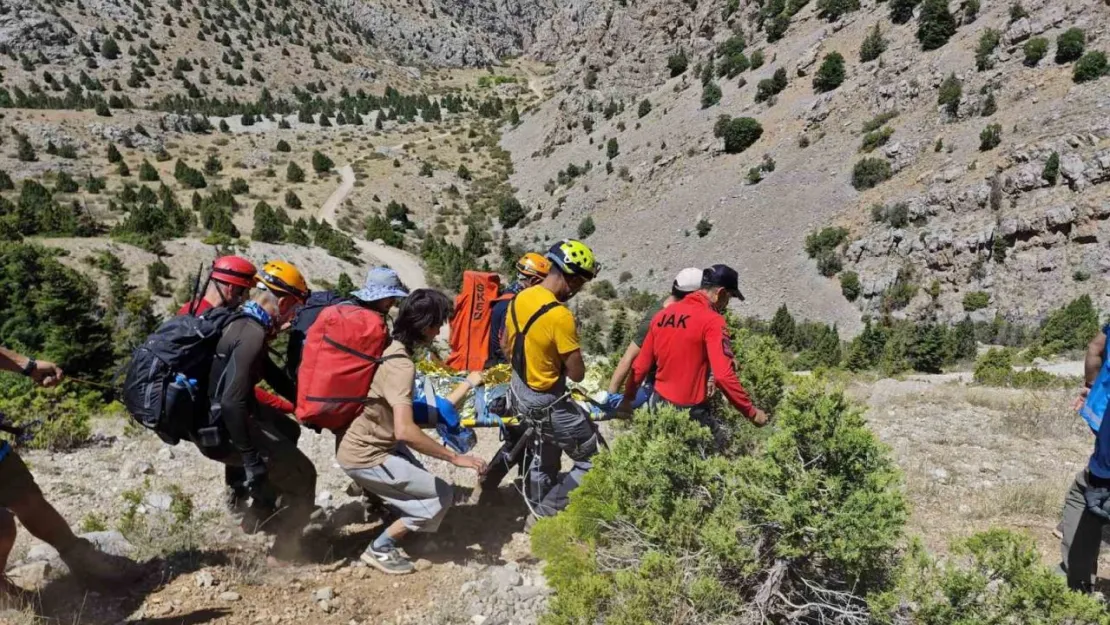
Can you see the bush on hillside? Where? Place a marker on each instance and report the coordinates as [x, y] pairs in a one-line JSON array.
[[901, 11], [294, 173], [1051, 168], [762, 370], [1070, 45], [739, 133], [267, 225], [1092, 66], [990, 137], [991, 577], [321, 164], [996, 368], [815, 508], [825, 240], [783, 327], [147, 173], [586, 227], [510, 212], [1034, 50], [935, 25], [976, 300], [1070, 327], [292, 200], [870, 172], [873, 45], [832, 10], [988, 42], [677, 63], [850, 285], [951, 90], [831, 73], [990, 106], [710, 95], [283, 146], [378, 227], [876, 139]]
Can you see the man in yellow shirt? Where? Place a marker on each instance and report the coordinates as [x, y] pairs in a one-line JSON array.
[[542, 345]]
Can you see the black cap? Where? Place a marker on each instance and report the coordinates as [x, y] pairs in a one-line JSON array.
[[724, 277]]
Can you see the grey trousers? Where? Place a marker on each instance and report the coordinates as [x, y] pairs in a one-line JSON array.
[[421, 498], [1082, 539], [565, 428]]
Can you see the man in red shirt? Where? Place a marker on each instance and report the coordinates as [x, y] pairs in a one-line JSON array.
[[229, 284], [687, 341]]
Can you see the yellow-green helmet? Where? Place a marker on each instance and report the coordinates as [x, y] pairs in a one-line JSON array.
[[574, 258]]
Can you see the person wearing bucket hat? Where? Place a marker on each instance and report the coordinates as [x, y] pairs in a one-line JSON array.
[[382, 290], [686, 282], [686, 342]]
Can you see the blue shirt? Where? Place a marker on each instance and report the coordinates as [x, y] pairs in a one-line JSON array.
[[5, 449], [498, 314], [1099, 465]]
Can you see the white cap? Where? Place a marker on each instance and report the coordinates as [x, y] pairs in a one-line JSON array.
[[688, 280]]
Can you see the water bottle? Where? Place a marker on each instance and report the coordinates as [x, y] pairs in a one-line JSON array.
[[179, 401]]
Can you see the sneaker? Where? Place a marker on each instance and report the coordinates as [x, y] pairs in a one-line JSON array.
[[236, 499], [390, 562]]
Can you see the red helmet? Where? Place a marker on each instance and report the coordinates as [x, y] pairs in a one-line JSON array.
[[234, 270]]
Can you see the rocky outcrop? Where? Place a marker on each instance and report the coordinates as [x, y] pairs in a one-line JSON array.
[[27, 30]]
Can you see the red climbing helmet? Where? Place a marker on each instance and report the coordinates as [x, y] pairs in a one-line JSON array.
[[234, 270]]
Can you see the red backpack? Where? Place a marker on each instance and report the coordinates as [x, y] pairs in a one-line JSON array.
[[342, 351], [470, 325]]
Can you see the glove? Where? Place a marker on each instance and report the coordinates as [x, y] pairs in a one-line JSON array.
[[1098, 501]]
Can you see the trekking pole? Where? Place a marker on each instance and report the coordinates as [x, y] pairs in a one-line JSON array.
[[70, 378]]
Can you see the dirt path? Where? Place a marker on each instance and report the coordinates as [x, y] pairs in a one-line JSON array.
[[406, 265], [1071, 368]]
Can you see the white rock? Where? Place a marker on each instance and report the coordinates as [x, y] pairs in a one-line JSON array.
[[158, 501], [230, 596], [326, 593], [204, 579]]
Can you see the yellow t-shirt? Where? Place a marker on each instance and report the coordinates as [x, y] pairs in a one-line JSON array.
[[549, 340]]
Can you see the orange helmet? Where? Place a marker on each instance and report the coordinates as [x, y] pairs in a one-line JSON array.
[[284, 279], [533, 265]]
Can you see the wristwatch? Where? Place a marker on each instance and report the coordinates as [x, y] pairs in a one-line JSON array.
[[30, 367]]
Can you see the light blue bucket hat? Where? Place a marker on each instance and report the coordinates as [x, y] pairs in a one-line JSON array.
[[381, 282]]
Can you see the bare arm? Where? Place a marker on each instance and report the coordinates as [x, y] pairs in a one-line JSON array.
[[575, 366], [407, 432], [44, 373], [459, 393], [1092, 363], [624, 367]]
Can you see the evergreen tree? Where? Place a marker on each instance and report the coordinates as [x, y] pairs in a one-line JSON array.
[[901, 11], [212, 165], [873, 45], [831, 73], [24, 150], [1052, 168], [611, 148], [267, 226], [782, 327], [147, 173], [283, 146], [6, 183], [109, 49], [293, 173], [321, 163], [344, 284], [463, 173], [511, 212], [586, 227], [291, 200], [935, 25], [618, 333], [113, 154], [926, 353]]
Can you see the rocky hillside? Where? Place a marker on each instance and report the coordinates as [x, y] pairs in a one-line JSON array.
[[663, 193]]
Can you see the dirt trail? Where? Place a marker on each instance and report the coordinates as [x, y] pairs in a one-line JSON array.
[[1071, 368], [405, 264]]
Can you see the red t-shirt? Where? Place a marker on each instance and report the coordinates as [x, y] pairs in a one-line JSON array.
[[686, 341], [263, 396]]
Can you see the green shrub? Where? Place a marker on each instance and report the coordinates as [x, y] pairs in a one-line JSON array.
[[1034, 50], [697, 535], [951, 90], [66, 415], [971, 10], [283, 146], [926, 349], [1092, 66], [239, 186], [831, 73], [1070, 45], [612, 148], [875, 139], [586, 227], [603, 289], [825, 240], [990, 106], [757, 59], [65, 183], [776, 27], [879, 120], [990, 137], [988, 42], [829, 263], [832, 10], [378, 227], [294, 173], [710, 95], [267, 225], [292, 200], [976, 300], [898, 215], [739, 133], [763, 372], [783, 327], [996, 368], [212, 165], [870, 172], [1070, 327], [1051, 168], [873, 45], [850, 286], [321, 164], [6, 183], [901, 11], [935, 25], [677, 63], [510, 212], [704, 227], [147, 173], [990, 577]]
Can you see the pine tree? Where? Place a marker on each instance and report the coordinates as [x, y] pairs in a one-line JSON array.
[[293, 173], [618, 333], [147, 173], [321, 163], [935, 25], [267, 226], [291, 200], [113, 154], [831, 73], [873, 45], [24, 150], [6, 183], [212, 165], [782, 327], [109, 49], [926, 351]]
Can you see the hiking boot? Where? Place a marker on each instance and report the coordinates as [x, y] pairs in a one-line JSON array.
[[389, 561], [236, 499], [93, 567]]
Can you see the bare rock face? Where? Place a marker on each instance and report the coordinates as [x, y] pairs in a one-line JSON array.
[[31, 31]]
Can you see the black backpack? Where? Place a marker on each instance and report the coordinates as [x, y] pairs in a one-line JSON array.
[[302, 321], [165, 389]]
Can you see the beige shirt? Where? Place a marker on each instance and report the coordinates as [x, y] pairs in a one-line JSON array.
[[370, 438]]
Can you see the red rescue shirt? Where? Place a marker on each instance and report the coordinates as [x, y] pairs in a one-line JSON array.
[[688, 340], [263, 396]]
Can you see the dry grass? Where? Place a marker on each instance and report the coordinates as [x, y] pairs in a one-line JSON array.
[[1040, 499]]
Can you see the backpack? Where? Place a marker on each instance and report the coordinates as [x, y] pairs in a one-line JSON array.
[[164, 389], [298, 330], [470, 325], [342, 351]]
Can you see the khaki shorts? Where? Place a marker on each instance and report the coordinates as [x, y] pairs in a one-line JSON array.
[[16, 481]]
